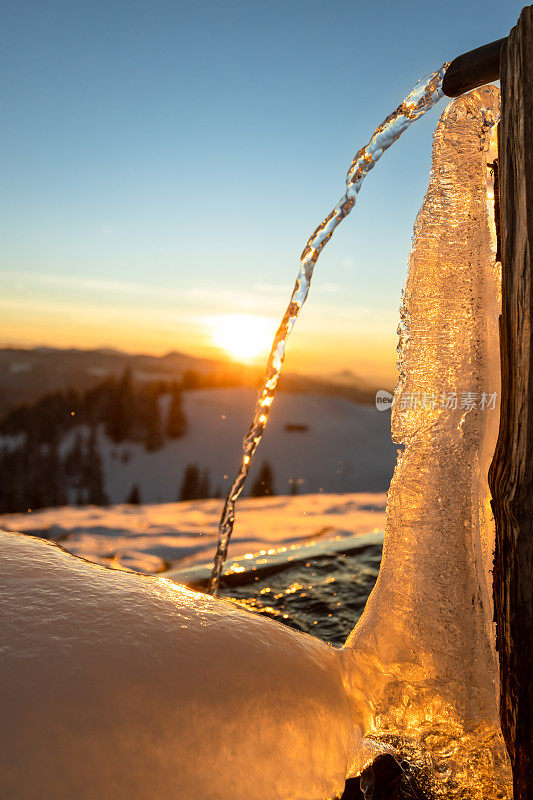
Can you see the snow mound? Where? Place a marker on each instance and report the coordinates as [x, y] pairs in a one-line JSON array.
[[119, 688]]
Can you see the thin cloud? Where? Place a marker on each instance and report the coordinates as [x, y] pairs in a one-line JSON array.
[[210, 292]]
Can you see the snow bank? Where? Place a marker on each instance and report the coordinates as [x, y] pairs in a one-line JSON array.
[[152, 538]]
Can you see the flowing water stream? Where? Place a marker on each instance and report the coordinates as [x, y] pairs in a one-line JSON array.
[[421, 660], [423, 97]]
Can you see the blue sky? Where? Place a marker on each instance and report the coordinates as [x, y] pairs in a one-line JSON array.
[[163, 163]]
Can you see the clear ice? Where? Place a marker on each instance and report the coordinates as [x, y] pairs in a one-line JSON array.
[[426, 93], [424, 651]]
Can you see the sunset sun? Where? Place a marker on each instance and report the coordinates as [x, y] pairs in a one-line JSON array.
[[243, 336]]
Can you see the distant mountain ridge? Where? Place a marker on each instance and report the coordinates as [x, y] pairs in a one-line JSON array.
[[28, 374]]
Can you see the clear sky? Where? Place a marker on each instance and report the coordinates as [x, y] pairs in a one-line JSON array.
[[163, 163]]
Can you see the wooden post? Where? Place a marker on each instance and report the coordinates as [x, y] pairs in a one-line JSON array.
[[511, 473]]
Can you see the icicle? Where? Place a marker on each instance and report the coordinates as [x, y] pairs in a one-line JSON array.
[[423, 652]]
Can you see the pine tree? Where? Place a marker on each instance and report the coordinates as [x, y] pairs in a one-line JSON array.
[[264, 485], [93, 472], [176, 423], [121, 410], [134, 497], [44, 476], [73, 461], [153, 438], [204, 489], [14, 494], [190, 483], [53, 477]]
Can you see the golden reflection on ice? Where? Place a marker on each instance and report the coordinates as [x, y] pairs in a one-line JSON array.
[[422, 661]]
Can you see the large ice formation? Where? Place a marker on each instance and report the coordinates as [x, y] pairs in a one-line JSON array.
[[424, 649], [117, 685]]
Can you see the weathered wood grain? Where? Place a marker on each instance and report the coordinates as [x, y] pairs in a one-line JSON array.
[[511, 474]]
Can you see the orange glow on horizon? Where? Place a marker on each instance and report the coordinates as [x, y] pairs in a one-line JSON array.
[[314, 349]]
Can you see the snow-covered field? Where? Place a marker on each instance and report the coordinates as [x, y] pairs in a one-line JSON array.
[[154, 538], [339, 446]]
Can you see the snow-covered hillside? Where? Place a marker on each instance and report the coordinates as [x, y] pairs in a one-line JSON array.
[[321, 443], [153, 538]]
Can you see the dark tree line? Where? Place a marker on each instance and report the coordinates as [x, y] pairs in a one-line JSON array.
[[128, 411], [35, 470], [38, 469], [36, 475], [196, 484]]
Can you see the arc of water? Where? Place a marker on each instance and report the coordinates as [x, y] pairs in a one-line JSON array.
[[424, 96]]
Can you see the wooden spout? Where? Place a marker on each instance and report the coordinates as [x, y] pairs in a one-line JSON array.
[[473, 69]]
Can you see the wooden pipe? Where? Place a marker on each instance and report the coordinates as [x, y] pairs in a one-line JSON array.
[[473, 69]]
